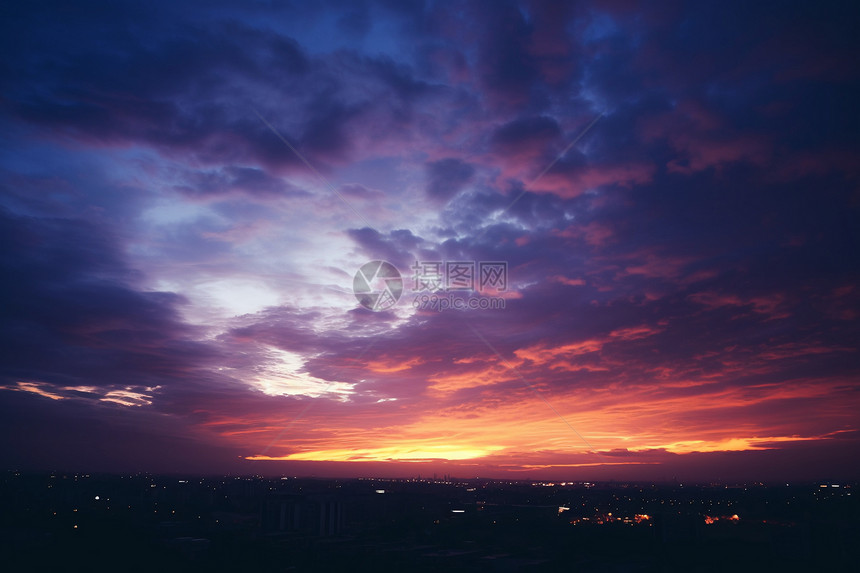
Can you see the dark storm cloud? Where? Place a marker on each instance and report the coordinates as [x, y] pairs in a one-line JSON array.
[[446, 177], [525, 133], [70, 317], [170, 86], [155, 87], [241, 180], [78, 333], [395, 247]]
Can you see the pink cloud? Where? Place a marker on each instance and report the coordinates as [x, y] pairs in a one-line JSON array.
[[702, 140]]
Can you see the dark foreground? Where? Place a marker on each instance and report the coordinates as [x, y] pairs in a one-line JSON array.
[[68, 522]]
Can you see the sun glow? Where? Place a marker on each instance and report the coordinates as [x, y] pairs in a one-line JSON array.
[[393, 453]]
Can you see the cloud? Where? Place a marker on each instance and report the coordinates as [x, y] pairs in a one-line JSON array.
[[680, 279], [446, 177]]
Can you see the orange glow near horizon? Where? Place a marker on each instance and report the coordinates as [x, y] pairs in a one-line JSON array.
[[526, 433]]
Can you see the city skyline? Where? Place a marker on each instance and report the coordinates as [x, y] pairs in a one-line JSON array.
[[648, 215]]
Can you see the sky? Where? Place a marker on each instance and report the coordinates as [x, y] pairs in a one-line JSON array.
[[188, 189]]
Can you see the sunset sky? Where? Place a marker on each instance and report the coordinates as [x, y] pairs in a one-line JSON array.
[[188, 189]]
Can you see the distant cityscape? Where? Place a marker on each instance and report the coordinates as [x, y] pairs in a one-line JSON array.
[[148, 522]]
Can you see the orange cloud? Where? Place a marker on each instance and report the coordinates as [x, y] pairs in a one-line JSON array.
[[384, 367], [37, 388]]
